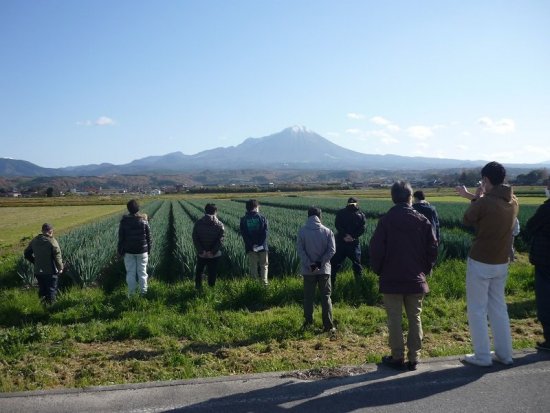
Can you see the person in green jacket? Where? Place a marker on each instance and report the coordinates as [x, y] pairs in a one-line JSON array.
[[44, 252]]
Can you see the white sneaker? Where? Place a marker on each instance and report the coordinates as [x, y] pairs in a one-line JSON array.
[[472, 359], [506, 362]]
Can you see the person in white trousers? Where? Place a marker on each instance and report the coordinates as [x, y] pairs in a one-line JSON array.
[[492, 213]]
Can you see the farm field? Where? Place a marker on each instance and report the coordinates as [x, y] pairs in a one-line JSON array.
[[95, 335], [18, 224]]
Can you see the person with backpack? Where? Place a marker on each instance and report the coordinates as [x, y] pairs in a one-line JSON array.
[[254, 230]]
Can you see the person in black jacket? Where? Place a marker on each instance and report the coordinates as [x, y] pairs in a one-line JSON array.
[[538, 230], [208, 233], [421, 205], [350, 225], [134, 244]]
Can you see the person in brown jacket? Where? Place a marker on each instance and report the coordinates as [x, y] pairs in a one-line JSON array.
[[208, 235], [492, 213], [403, 251]]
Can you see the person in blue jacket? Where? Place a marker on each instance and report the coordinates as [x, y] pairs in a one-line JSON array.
[[254, 230]]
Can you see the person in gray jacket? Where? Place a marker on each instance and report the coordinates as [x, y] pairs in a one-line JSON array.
[[316, 246]]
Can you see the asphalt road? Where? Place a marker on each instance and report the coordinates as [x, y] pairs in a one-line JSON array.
[[439, 385]]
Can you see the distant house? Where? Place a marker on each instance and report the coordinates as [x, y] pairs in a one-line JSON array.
[[12, 194]]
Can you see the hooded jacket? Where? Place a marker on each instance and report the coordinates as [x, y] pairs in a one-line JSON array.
[[315, 245], [134, 235], [208, 234], [538, 230], [403, 251], [44, 252], [493, 217]]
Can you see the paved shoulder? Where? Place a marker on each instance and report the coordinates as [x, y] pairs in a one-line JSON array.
[[438, 384]]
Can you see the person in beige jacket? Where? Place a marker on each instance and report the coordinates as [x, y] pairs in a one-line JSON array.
[[492, 213]]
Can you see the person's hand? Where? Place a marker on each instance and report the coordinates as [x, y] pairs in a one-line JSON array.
[[348, 238], [464, 193], [480, 190]]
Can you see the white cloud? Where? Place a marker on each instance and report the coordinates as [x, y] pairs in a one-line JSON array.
[[421, 132], [104, 121], [502, 156], [500, 127], [356, 116], [101, 121], [379, 120], [380, 133], [389, 140], [462, 147], [353, 131], [393, 128]]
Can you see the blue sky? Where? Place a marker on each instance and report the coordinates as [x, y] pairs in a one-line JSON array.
[[93, 81]]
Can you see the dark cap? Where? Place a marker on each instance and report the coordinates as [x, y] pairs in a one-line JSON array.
[[46, 227], [352, 200]]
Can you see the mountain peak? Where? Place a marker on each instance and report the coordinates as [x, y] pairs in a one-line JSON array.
[[297, 129]]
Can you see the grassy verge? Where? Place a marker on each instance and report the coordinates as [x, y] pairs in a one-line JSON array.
[[90, 337]]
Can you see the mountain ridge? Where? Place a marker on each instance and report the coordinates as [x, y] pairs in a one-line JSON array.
[[292, 148]]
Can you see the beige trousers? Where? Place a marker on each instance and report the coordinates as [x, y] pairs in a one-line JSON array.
[[394, 304], [258, 260]]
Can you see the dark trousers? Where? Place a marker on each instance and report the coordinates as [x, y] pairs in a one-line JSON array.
[[47, 287], [211, 265], [351, 250], [542, 297], [311, 281]]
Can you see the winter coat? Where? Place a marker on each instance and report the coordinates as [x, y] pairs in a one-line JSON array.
[[429, 212], [254, 230], [349, 220], [134, 234], [538, 231], [493, 217], [44, 252], [208, 234], [403, 251], [315, 246]]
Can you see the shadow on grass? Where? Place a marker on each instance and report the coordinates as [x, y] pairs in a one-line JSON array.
[[522, 309]]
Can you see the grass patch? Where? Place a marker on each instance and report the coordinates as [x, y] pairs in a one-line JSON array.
[[90, 337]]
